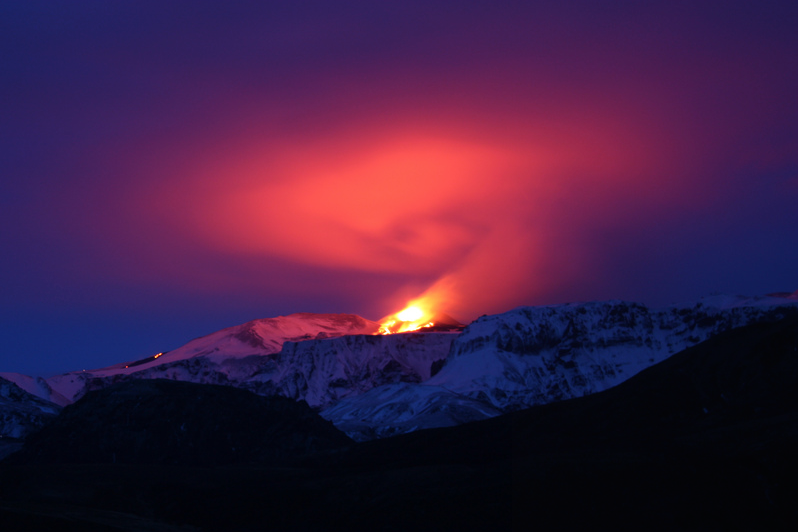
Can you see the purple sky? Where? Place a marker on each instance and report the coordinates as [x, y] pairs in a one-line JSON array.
[[173, 168]]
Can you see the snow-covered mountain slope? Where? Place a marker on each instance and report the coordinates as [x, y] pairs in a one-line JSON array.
[[537, 355], [323, 372], [373, 385], [36, 386], [532, 355], [21, 412], [220, 351], [404, 407], [319, 371]]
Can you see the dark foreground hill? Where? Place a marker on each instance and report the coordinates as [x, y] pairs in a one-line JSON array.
[[180, 423], [703, 441]]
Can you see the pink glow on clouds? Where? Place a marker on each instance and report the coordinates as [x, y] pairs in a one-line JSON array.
[[473, 220], [477, 202]]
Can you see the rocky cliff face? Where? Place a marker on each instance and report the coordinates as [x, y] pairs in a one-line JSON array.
[[22, 413], [537, 355], [320, 372], [324, 372], [532, 355]]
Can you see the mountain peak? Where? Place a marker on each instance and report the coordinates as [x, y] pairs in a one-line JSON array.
[[257, 337]]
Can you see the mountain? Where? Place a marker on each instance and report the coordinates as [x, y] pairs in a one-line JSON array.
[[320, 372], [538, 355], [704, 440], [382, 385], [398, 408], [222, 353], [21, 414], [36, 386], [156, 421]]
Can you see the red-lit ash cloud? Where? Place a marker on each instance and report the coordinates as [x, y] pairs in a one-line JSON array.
[[522, 161], [473, 222], [460, 193]]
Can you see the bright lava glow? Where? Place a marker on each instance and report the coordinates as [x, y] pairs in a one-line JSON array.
[[410, 314], [411, 318]]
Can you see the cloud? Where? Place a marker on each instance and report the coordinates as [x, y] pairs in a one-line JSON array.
[[474, 218]]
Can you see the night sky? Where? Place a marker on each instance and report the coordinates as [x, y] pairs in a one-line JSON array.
[[168, 169]]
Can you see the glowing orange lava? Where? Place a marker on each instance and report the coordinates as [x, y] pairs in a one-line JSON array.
[[410, 314], [411, 318]]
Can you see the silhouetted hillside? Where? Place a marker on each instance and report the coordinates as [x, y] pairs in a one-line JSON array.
[[171, 422]]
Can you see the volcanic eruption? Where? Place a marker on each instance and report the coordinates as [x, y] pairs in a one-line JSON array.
[[415, 317]]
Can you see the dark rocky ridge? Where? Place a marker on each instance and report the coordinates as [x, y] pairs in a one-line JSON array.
[[170, 422]]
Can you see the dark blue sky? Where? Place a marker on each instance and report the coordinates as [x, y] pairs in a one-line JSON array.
[[171, 168]]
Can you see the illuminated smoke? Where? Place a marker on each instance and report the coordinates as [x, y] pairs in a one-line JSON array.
[[476, 218]]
